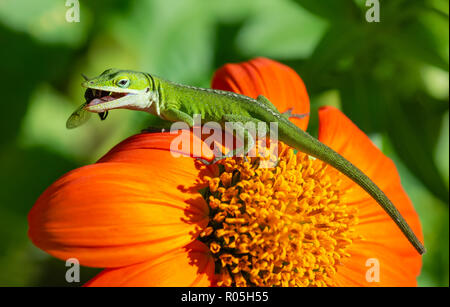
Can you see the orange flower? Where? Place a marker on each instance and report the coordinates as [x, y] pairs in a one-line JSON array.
[[151, 219]]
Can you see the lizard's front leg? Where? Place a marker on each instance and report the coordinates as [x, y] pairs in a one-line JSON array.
[[158, 125], [241, 132], [174, 115]]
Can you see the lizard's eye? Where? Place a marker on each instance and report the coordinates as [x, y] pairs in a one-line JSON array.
[[123, 83]]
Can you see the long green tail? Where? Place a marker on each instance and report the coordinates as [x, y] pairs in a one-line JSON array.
[[311, 146]]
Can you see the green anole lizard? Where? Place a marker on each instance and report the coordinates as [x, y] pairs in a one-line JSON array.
[[123, 89]]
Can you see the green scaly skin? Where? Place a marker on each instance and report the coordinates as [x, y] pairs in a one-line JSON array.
[[175, 102]]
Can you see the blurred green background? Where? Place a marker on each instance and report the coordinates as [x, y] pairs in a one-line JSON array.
[[391, 78]]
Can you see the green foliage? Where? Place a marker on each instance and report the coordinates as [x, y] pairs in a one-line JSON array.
[[390, 78]]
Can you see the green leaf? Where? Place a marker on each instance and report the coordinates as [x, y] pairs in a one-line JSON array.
[[29, 63], [281, 30], [333, 10], [173, 40], [442, 149], [333, 50], [45, 20], [416, 42], [361, 100], [413, 129]]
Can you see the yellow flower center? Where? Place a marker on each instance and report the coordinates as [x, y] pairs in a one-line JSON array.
[[281, 226]]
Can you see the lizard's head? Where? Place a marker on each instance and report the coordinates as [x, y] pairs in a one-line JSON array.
[[118, 89]]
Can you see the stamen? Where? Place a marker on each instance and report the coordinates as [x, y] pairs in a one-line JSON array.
[[282, 226]]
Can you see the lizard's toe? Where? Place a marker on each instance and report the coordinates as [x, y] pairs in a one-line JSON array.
[[206, 162]]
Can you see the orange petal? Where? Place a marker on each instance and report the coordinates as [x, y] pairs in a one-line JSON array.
[[394, 269], [114, 214], [192, 266], [134, 149], [261, 76], [382, 238]]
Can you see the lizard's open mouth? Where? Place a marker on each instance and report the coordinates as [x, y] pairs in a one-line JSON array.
[[95, 97], [100, 101]]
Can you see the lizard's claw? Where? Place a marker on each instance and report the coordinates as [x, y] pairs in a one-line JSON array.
[[152, 130], [206, 162], [213, 161]]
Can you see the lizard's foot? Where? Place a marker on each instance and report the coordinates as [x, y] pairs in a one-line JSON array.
[[220, 156], [206, 162], [203, 161], [153, 130], [216, 159]]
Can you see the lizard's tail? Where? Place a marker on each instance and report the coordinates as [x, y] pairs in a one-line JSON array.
[[304, 142]]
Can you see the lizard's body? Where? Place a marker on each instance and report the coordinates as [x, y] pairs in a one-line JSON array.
[[175, 102], [191, 100]]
